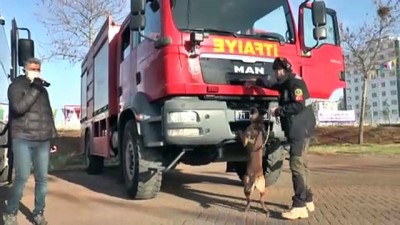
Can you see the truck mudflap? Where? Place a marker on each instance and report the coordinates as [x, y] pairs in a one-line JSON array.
[[190, 121]]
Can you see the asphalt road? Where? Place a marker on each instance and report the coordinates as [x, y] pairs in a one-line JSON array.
[[348, 190]]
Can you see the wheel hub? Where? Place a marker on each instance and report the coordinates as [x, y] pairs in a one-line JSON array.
[[130, 160]]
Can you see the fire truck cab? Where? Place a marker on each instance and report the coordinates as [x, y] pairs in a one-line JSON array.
[[166, 86]]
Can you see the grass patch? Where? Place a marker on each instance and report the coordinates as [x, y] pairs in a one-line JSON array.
[[390, 149]]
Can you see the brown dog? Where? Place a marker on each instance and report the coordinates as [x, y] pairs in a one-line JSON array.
[[253, 140]]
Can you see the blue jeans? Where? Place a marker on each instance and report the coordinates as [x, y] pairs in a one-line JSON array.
[[25, 153]]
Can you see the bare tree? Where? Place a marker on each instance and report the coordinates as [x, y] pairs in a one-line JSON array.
[[363, 43], [73, 24]]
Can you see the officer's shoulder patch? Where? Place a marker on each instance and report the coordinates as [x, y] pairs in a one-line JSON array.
[[298, 92]]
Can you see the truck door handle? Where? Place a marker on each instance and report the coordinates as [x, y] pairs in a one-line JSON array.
[[138, 78], [119, 91]]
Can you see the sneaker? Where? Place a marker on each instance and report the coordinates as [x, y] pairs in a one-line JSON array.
[[10, 219], [310, 206], [296, 213], [39, 220]]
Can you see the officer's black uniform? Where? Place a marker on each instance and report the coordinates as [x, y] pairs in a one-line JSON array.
[[297, 121]]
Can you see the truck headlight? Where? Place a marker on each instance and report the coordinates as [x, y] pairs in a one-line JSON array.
[[183, 117]]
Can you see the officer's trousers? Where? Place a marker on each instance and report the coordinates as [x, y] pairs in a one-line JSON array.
[[300, 172]]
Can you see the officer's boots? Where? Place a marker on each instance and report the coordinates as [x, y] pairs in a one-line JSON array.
[[296, 213], [299, 212]]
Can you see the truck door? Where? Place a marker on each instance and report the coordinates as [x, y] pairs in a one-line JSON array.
[[127, 66], [322, 67]]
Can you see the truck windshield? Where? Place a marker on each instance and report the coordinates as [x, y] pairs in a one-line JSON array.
[[256, 18]]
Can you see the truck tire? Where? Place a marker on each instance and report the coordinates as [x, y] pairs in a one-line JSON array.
[[94, 163], [4, 162], [141, 167], [272, 166]]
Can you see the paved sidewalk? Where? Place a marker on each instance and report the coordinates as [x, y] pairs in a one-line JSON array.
[[348, 190]]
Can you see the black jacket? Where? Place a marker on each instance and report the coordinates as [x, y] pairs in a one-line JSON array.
[[31, 116], [295, 110]]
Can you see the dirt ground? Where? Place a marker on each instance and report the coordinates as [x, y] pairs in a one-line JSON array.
[[349, 135], [68, 142]]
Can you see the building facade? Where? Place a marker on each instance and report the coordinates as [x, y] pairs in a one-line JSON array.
[[382, 106]]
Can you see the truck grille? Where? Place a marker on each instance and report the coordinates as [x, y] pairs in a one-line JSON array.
[[227, 69]]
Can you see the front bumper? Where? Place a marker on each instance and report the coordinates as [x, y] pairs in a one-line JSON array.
[[214, 123]]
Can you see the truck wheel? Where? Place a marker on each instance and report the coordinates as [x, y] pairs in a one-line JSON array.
[[94, 163], [140, 166], [4, 175], [4, 162], [273, 165]]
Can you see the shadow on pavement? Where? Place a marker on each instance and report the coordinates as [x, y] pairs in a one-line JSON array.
[[106, 183], [4, 191], [175, 183]]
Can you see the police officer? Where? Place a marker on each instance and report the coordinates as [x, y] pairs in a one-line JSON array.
[[298, 122]]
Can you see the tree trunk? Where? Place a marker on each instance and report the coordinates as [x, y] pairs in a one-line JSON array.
[[362, 113]]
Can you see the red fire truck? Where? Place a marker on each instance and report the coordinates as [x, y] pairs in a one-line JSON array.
[[166, 86]]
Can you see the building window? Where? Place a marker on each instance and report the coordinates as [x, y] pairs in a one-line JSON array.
[[392, 83], [374, 95], [348, 98], [394, 102], [350, 107], [383, 93], [394, 111], [383, 84], [374, 104], [373, 85], [375, 113], [393, 92], [357, 97], [357, 106], [356, 89], [355, 80]]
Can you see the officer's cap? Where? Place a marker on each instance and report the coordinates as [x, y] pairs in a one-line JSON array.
[[281, 63]]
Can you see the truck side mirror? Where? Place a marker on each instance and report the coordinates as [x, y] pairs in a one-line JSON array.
[[155, 5], [319, 13], [137, 23], [137, 6], [26, 50], [320, 33]]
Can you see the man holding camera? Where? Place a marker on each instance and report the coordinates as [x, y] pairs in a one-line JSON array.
[[32, 127]]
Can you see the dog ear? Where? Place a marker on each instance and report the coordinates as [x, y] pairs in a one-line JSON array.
[[254, 113], [253, 110]]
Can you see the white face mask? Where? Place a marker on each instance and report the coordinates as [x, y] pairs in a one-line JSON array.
[[32, 74]]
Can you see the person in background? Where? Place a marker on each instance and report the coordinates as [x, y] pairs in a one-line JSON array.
[[298, 122], [32, 128]]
